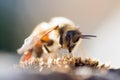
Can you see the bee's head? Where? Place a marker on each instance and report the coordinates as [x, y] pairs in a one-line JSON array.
[[71, 38]]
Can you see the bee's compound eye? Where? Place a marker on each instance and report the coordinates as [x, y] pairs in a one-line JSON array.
[[68, 35], [75, 38], [73, 35]]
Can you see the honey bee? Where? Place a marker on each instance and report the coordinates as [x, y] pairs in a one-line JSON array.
[[59, 33]]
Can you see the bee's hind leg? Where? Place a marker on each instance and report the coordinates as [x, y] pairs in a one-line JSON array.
[[26, 56]]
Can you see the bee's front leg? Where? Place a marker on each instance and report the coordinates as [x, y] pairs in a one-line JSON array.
[[46, 48]]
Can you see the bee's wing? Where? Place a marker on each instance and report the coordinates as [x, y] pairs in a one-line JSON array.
[[29, 41], [40, 31], [40, 28], [27, 45]]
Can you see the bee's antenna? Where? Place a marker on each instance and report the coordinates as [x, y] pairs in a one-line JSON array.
[[87, 36]]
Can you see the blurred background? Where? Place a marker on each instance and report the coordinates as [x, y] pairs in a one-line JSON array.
[[98, 17]]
